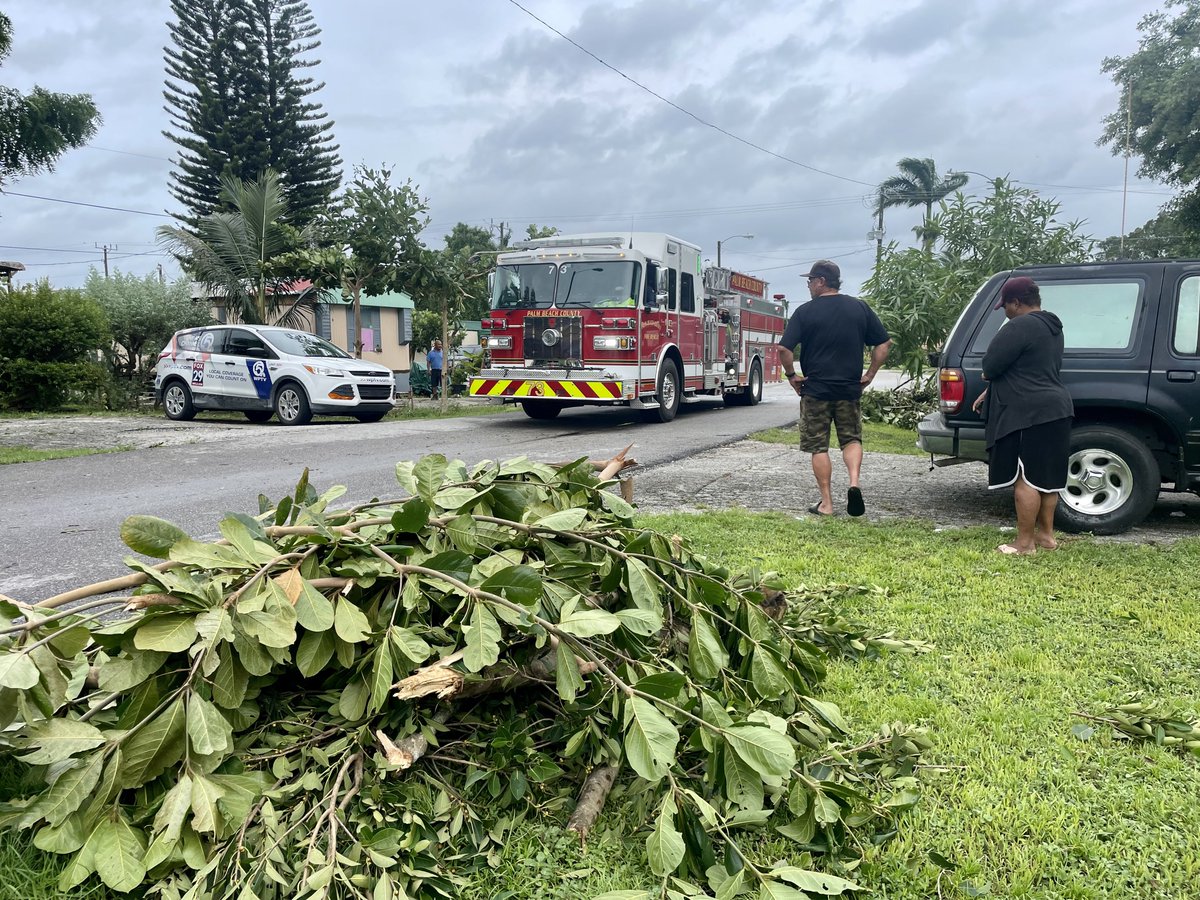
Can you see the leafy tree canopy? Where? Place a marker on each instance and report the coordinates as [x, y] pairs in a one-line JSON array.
[[1159, 110], [1173, 234], [919, 294], [236, 255], [917, 184], [143, 313], [37, 128]]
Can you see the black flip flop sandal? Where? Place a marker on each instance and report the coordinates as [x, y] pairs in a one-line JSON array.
[[854, 502]]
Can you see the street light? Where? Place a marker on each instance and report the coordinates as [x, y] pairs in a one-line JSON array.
[[748, 237]]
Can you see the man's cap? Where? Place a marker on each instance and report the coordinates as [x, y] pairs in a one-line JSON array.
[[824, 268], [1017, 288]]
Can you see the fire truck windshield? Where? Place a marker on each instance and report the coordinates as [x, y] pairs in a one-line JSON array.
[[600, 284]]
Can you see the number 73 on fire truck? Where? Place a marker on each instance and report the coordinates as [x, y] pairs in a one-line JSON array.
[[628, 319]]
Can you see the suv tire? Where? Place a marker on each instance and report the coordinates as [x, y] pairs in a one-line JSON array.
[[291, 405], [258, 416], [177, 401], [1112, 481]]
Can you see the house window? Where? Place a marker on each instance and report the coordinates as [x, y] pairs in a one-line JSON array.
[[371, 335], [324, 328], [687, 294]]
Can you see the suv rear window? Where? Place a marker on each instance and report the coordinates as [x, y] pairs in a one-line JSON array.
[[1096, 315], [1186, 338]]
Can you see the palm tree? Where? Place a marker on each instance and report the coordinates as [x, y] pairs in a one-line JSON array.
[[918, 185], [232, 252]]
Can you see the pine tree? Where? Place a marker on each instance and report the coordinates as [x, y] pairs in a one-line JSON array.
[[239, 107]]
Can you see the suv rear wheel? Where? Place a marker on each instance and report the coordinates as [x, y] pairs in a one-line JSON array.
[[1112, 481], [177, 401], [291, 405], [258, 416]]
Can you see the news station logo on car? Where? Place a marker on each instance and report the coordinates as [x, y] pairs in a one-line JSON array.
[[264, 371]]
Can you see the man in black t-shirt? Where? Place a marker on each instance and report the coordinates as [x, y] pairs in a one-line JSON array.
[[832, 329]]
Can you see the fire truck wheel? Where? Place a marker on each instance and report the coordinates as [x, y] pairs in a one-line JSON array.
[[668, 395], [751, 394], [541, 409]]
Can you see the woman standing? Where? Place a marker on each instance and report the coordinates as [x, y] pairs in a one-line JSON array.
[[1028, 413]]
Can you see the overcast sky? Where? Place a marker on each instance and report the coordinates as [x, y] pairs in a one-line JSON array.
[[497, 118]]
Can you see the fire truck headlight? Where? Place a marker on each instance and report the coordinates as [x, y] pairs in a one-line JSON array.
[[613, 342], [496, 342]]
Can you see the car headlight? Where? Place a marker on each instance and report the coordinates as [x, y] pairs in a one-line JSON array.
[[497, 342], [326, 370], [614, 342]]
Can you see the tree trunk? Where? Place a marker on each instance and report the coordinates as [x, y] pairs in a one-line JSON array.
[[596, 788]]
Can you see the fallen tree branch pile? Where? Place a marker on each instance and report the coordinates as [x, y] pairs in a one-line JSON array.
[[359, 703]]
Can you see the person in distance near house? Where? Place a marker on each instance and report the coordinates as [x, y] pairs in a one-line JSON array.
[[832, 330], [435, 358]]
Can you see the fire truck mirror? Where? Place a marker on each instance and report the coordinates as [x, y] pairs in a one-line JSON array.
[[491, 282], [649, 297], [664, 287]]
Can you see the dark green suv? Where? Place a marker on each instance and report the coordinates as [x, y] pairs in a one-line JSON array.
[[1132, 333]]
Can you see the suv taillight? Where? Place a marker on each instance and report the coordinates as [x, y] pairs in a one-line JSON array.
[[952, 388]]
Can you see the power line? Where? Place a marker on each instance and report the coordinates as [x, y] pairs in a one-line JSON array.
[[127, 153], [43, 249], [686, 112], [140, 212]]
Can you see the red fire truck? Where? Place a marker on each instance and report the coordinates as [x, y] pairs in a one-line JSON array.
[[624, 320]]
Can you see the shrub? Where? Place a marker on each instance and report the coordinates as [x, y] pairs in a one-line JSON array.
[[904, 406], [49, 345]]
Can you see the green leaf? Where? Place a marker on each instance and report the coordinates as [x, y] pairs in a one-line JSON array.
[[352, 703], [650, 739], [17, 671], [483, 639], [454, 498], [207, 556], [119, 848], [82, 864], [663, 685], [814, 882], [768, 752], [381, 676], [72, 788], [453, 563], [767, 675], [57, 739], [65, 838], [520, 584], [412, 517], [314, 652], [647, 622], [208, 731], [151, 536], [625, 895], [230, 680], [173, 810], [563, 520], [150, 750], [587, 623], [411, 645], [829, 713], [643, 586], [664, 846], [205, 794], [706, 654], [169, 633], [774, 890], [314, 611], [350, 622], [125, 672], [743, 786], [567, 679], [463, 534], [428, 474]]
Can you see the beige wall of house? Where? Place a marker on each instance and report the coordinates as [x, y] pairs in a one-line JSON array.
[[380, 344]]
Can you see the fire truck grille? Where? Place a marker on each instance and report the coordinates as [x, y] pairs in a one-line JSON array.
[[554, 337]]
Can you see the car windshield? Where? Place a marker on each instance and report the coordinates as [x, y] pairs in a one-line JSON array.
[[529, 286], [301, 343], [598, 284]]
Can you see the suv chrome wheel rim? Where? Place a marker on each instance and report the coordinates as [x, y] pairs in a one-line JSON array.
[[289, 405], [1098, 482], [173, 400]]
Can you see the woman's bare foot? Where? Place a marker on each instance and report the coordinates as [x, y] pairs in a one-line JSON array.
[[1046, 542], [1014, 550]]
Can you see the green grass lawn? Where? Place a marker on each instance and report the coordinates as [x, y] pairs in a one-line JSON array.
[[22, 454], [1021, 807], [877, 438]]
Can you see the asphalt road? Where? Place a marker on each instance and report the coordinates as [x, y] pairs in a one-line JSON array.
[[60, 519]]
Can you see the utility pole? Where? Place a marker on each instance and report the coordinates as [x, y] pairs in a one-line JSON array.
[[106, 250], [1125, 184], [162, 279]]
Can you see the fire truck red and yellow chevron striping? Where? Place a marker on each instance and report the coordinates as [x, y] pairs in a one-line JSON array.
[[565, 390]]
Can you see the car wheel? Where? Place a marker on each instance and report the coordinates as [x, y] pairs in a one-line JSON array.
[[376, 416], [668, 394], [291, 405], [541, 409], [1112, 481], [258, 416], [177, 402]]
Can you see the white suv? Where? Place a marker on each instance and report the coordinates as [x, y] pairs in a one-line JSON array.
[[263, 370]]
